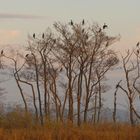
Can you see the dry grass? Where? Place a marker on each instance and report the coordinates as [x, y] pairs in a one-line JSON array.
[[57, 131], [15, 125]]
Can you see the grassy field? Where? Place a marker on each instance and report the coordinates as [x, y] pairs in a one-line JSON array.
[[57, 131], [16, 125]]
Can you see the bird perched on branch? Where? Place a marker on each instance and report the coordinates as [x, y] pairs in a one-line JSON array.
[[107, 43], [43, 35], [1, 52], [71, 23], [54, 40], [83, 22], [105, 26], [34, 35], [26, 55], [138, 44], [83, 30]]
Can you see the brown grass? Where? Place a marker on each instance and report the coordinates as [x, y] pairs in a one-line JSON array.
[[16, 125], [58, 131]]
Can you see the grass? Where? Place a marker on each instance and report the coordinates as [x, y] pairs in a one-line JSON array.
[[15, 125], [58, 131]]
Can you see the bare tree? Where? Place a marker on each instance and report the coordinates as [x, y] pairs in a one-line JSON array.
[[20, 77], [79, 53], [16, 76], [46, 72], [131, 89], [83, 51], [101, 59], [115, 101]]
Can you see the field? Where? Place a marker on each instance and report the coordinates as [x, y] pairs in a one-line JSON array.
[[58, 131]]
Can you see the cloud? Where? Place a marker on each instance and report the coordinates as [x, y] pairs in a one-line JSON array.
[[18, 16], [9, 35]]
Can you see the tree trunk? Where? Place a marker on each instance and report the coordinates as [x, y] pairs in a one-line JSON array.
[[38, 90], [70, 113]]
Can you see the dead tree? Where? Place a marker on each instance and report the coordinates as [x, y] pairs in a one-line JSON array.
[[65, 53], [16, 76], [100, 59], [131, 89], [46, 70], [82, 50], [83, 55], [115, 102]]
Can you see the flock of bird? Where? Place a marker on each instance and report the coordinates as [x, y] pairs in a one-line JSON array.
[[72, 24]]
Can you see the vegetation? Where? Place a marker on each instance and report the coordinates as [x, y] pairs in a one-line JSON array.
[[16, 125], [59, 132], [66, 72]]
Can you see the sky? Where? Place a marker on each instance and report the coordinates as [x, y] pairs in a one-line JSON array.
[[18, 18]]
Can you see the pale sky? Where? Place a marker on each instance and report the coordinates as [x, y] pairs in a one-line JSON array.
[[20, 17]]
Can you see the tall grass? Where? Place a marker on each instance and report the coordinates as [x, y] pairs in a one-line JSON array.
[[71, 132], [16, 125]]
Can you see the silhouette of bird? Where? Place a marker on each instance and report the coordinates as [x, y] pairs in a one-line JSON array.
[[34, 35], [83, 22], [107, 43], [26, 55], [138, 44], [137, 51], [71, 23], [54, 40], [43, 35], [1, 52], [83, 30], [104, 26]]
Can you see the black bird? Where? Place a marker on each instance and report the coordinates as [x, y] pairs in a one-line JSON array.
[[54, 40], [71, 23], [34, 35], [107, 43], [1, 52], [104, 26], [83, 22], [83, 30], [138, 44], [137, 51], [43, 35], [26, 55]]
